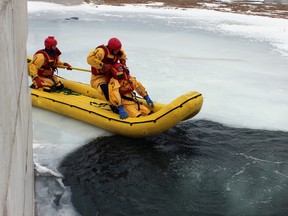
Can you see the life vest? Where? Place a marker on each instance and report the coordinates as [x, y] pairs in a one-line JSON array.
[[107, 59], [126, 86], [49, 66]]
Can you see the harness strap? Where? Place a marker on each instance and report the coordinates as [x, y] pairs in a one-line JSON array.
[[134, 99]]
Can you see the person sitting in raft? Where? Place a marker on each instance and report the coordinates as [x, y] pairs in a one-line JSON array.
[[44, 64], [101, 60], [121, 88]]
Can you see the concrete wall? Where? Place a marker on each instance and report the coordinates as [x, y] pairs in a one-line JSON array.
[[16, 158]]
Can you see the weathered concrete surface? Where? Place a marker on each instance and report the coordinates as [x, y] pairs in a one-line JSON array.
[[16, 179]]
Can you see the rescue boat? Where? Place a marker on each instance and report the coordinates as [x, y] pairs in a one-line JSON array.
[[82, 102]]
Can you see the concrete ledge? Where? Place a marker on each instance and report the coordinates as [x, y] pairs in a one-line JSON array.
[[17, 178]]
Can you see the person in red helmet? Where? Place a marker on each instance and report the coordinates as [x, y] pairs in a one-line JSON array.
[[101, 60], [44, 64], [122, 87]]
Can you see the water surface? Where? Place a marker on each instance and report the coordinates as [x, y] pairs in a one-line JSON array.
[[197, 168]]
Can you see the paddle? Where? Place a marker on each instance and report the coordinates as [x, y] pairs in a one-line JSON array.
[[73, 68]]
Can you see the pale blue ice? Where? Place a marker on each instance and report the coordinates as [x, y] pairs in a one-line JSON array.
[[238, 62]]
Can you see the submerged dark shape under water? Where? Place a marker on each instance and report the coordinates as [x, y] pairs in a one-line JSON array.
[[196, 168]]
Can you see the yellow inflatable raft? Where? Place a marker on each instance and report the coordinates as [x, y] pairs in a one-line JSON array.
[[83, 103]]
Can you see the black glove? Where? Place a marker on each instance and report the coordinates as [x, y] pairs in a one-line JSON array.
[[68, 66]]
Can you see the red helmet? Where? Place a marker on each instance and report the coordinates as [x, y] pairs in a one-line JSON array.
[[114, 44], [50, 41]]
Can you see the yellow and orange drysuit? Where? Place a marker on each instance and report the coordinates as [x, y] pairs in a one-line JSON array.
[[101, 60], [122, 87], [43, 66]]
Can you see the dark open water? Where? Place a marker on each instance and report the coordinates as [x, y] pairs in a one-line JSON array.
[[197, 168]]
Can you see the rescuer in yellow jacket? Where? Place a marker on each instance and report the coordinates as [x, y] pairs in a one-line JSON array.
[[122, 87], [101, 60], [44, 64]]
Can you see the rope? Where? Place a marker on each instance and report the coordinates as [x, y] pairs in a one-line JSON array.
[[67, 91]]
